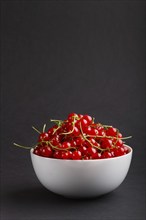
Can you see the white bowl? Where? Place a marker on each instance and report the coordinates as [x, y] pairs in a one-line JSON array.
[[81, 178]]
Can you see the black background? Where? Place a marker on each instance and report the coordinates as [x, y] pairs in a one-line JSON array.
[[71, 56]]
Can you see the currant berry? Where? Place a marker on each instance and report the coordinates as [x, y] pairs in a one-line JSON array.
[[80, 116], [66, 145], [43, 137], [57, 154], [79, 140], [37, 151], [119, 143], [55, 140], [91, 151], [66, 155], [46, 151], [83, 122], [106, 143], [76, 155], [106, 154], [83, 150], [125, 149], [119, 151], [76, 131], [72, 116], [88, 118], [86, 157], [111, 132]]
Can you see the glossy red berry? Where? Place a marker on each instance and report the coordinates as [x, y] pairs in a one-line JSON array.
[[80, 116], [88, 118], [43, 137], [73, 143], [76, 155], [72, 116], [66, 145], [66, 155], [106, 154], [125, 148], [37, 151], [83, 122], [101, 131], [119, 143], [46, 151], [76, 131], [57, 154], [79, 140], [106, 143], [111, 132], [86, 158], [119, 151], [83, 150], [55, 140]]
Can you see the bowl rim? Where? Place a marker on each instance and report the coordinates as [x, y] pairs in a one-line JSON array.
[[84, 161]]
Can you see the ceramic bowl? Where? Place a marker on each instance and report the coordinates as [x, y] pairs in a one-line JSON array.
[[81, 178]]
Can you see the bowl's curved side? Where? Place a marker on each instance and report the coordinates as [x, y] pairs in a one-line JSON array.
[[81, 178]]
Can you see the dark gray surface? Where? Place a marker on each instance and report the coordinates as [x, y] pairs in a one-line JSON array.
[[60, 57]]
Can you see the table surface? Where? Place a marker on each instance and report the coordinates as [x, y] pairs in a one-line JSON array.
[[59, 57]]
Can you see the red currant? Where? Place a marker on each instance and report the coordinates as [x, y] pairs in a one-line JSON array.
[[111, 132], [66, 155], [119, 143], [106, 143], [57, 154], [88, 118], [125, 148], [83, 150], [37, 151], [83, 122], [119, 151], [55, 140], [76, 155], [73, 143], [119, 135], [106, 154], [76, 131], [66, 145], [79, 140], [46, 151], [80, 116], [72, 116], [91, 151], [43, 137]]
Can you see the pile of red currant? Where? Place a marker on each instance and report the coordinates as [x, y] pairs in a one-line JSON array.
[[80, 138]]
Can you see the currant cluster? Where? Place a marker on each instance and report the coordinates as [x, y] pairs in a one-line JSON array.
[[80, 138]]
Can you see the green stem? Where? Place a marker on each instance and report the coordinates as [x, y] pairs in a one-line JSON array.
[[21, 146], [110, 137], [107, 126], [55, 147], [56, 121], [44, 127], [36, 130]]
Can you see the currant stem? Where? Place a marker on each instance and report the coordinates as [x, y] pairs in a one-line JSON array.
[[44, 128], [36, 130], [56, 129], [56, 121], [110, 137], [21, 146], [55, 147], [107, 126]]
